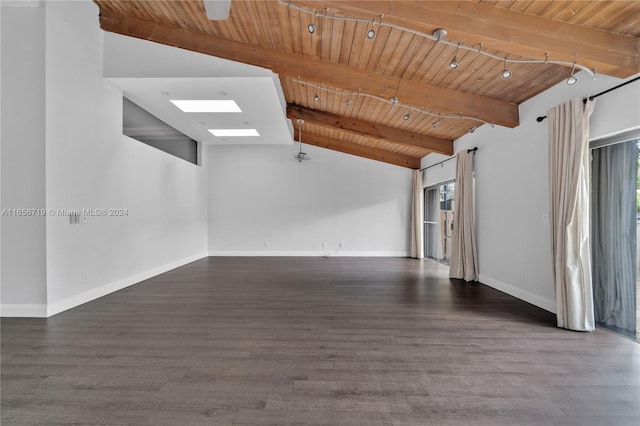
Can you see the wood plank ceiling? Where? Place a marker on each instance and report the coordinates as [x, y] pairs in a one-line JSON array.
[[342, 83]]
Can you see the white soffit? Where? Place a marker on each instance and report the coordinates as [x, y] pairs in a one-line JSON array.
[[257, 97], [151, 74]]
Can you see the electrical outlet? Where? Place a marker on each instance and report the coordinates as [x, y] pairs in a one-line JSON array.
[[545, 218], [340, 244], [266, 243], [85, 277], [521, 276], [324, 244]]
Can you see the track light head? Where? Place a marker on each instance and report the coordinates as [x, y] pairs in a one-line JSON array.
[[435, 124], [506, 74], [454, 63], [311, 28], [348, 102], [572, 79], [371, 34], [316, 97], [394, 100], [473, 129], [406, 116]]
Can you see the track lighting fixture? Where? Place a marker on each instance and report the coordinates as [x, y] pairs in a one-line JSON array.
[[316, 97], [473, 129], [506, 74], [393, 101], [440, 36], [454, 62], [572, 79]]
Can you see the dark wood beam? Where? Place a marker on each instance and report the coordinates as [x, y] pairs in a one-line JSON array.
[[521, 34], [360, 150], [409, 92], [367, 128]]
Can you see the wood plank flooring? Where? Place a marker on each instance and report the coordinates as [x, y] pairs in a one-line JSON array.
[[313, 341]]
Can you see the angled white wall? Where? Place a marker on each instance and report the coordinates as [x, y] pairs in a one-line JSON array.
[[263, 202], [512, 191]]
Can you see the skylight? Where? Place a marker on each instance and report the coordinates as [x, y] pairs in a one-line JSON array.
[[234, 132], [207, 105]]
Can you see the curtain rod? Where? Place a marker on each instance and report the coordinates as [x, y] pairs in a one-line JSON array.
[[590, 98], [474, 149]]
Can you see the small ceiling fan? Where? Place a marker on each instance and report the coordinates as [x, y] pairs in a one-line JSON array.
[[301, 156]]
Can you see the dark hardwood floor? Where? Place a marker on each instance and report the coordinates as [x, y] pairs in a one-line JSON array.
[[313, 341]]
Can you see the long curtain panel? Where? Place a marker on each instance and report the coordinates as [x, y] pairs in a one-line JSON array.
[[417, 216], [569, 215], [464, 255], [614, 248]]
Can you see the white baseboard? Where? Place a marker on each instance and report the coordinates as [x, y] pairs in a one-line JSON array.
[[95, 293], [534, 299], [89, 295], [23, 311], [318, 253], [44, 311]]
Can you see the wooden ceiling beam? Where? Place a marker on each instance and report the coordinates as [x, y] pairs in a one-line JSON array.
[[471, 22], [360, 150], [434, 98], [367, 128]]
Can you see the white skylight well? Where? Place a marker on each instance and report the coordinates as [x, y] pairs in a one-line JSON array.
[[207, 105], [234, 132]]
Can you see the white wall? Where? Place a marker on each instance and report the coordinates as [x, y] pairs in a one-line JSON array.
[[90, 164], [512, 186], [261, 194], [75, 115], [435, 173], [23, 157]]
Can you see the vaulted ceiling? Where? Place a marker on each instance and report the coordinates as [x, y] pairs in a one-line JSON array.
[[394, 97]]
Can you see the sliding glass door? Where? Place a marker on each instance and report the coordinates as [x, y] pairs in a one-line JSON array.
[[615, 209], [438, 223]]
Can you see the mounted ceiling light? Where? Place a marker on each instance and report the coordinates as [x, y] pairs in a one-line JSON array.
[[223, 133], [300, 156], [454, 62], [506, 74], [572, 79], [207, 105]]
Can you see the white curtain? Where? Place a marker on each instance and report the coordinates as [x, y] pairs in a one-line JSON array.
[[464, 256], [417, 216], [569, 216], [613, 234]]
